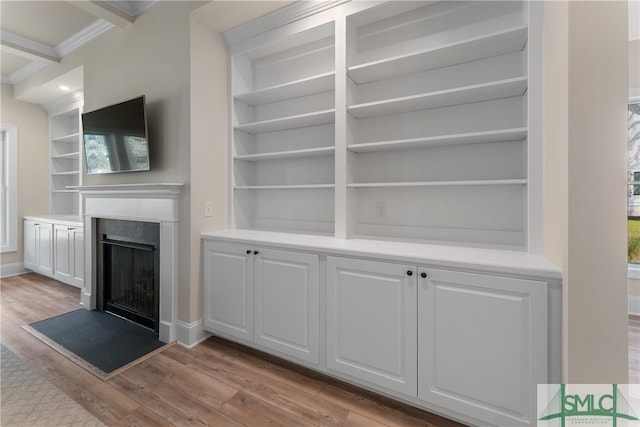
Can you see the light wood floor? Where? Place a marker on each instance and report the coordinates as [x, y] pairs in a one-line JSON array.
[[216, 383]]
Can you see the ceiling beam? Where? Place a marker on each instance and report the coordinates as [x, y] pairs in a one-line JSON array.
[[104, 10], [27, 48]]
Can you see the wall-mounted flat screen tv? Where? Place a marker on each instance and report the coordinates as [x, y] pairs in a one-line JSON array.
[[115, 138]]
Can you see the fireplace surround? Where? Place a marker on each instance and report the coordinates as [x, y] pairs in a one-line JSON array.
[[153, 203]]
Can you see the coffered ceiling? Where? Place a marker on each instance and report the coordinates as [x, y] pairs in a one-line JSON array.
[[35, 34]]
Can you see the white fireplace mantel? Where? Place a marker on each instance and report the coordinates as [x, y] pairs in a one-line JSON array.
[[136, 202]]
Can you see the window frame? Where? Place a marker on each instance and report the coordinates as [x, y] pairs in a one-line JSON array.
[[10, 170]]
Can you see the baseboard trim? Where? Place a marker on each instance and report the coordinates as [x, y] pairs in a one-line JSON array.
[[634, 305], [14, 269], [190, 334]]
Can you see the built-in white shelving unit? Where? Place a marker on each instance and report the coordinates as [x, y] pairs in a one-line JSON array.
[[65, 149], [433, 140], [386, 178], [437, 129], [283, 133]]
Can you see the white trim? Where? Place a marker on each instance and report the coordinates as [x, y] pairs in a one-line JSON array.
[[277, 18], [65, 103], [190, 334], [83, 37], [137, 202], [11, 157], [535, 146], [634, 271], [29, 48], [634, 305], [14, 269], [24, 72], [131, 8]]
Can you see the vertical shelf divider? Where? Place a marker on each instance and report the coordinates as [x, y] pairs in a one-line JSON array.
[[340, 217]]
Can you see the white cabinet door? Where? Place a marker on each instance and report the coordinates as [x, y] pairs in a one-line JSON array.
[[68, 254], [372, 322], [228, 289], [287, 303], [63, 252], [30, 245], [482, 344], [77, 273], [44, 248]]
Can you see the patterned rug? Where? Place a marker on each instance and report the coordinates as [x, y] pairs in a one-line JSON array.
[[29, 399]]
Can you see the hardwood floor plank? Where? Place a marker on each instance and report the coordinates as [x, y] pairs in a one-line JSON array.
[[356, 420], [251, 411], [169, 402], [291, 399], [142, 417], [264, 364], [382, 410], [208, 390]]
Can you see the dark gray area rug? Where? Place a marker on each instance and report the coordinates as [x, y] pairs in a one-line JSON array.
[[101, 339]]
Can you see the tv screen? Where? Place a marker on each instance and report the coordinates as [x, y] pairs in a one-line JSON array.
[[115, 138]]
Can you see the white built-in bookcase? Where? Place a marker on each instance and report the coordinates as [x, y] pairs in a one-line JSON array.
[[65, 149], [392, 121]]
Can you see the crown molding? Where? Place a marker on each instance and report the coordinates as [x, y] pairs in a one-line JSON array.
[[28, 48], [277, 18], [24, 72], [131, 8], [83, 37]]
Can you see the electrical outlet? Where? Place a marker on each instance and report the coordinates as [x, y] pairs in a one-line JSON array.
[[381, 210], [208, 208]]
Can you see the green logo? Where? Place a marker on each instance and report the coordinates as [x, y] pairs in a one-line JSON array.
[[564, 405]]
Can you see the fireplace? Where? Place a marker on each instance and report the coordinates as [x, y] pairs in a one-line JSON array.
[[127, 259], [150, 203]]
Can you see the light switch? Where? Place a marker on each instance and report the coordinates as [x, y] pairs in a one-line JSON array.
[[208, 208]]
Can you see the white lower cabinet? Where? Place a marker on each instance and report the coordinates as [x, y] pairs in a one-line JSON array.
[[38, 247], [228, 290], [69, 254], [54, 248], [371, 322], [466, 344], [263, 296], [482, 344]]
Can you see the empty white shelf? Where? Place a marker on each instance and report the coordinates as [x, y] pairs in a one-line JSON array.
[[290, 122], [515, 134], [455, 53], [71, 156], [295, 89], [64, 191], [65, 173], [67, 138], [424, 101], [285, 187], [310, 152], [438, 183]]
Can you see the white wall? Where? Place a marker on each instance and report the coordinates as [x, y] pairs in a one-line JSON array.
[[208, 145], [586, 89], [33, 161]]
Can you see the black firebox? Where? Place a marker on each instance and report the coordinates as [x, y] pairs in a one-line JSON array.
[[128, 270]]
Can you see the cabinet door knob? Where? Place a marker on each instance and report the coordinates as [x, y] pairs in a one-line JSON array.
[[248, 251], [409, 273], [423, 275], [256, 252]]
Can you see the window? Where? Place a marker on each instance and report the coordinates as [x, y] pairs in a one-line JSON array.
[[8, 188]]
